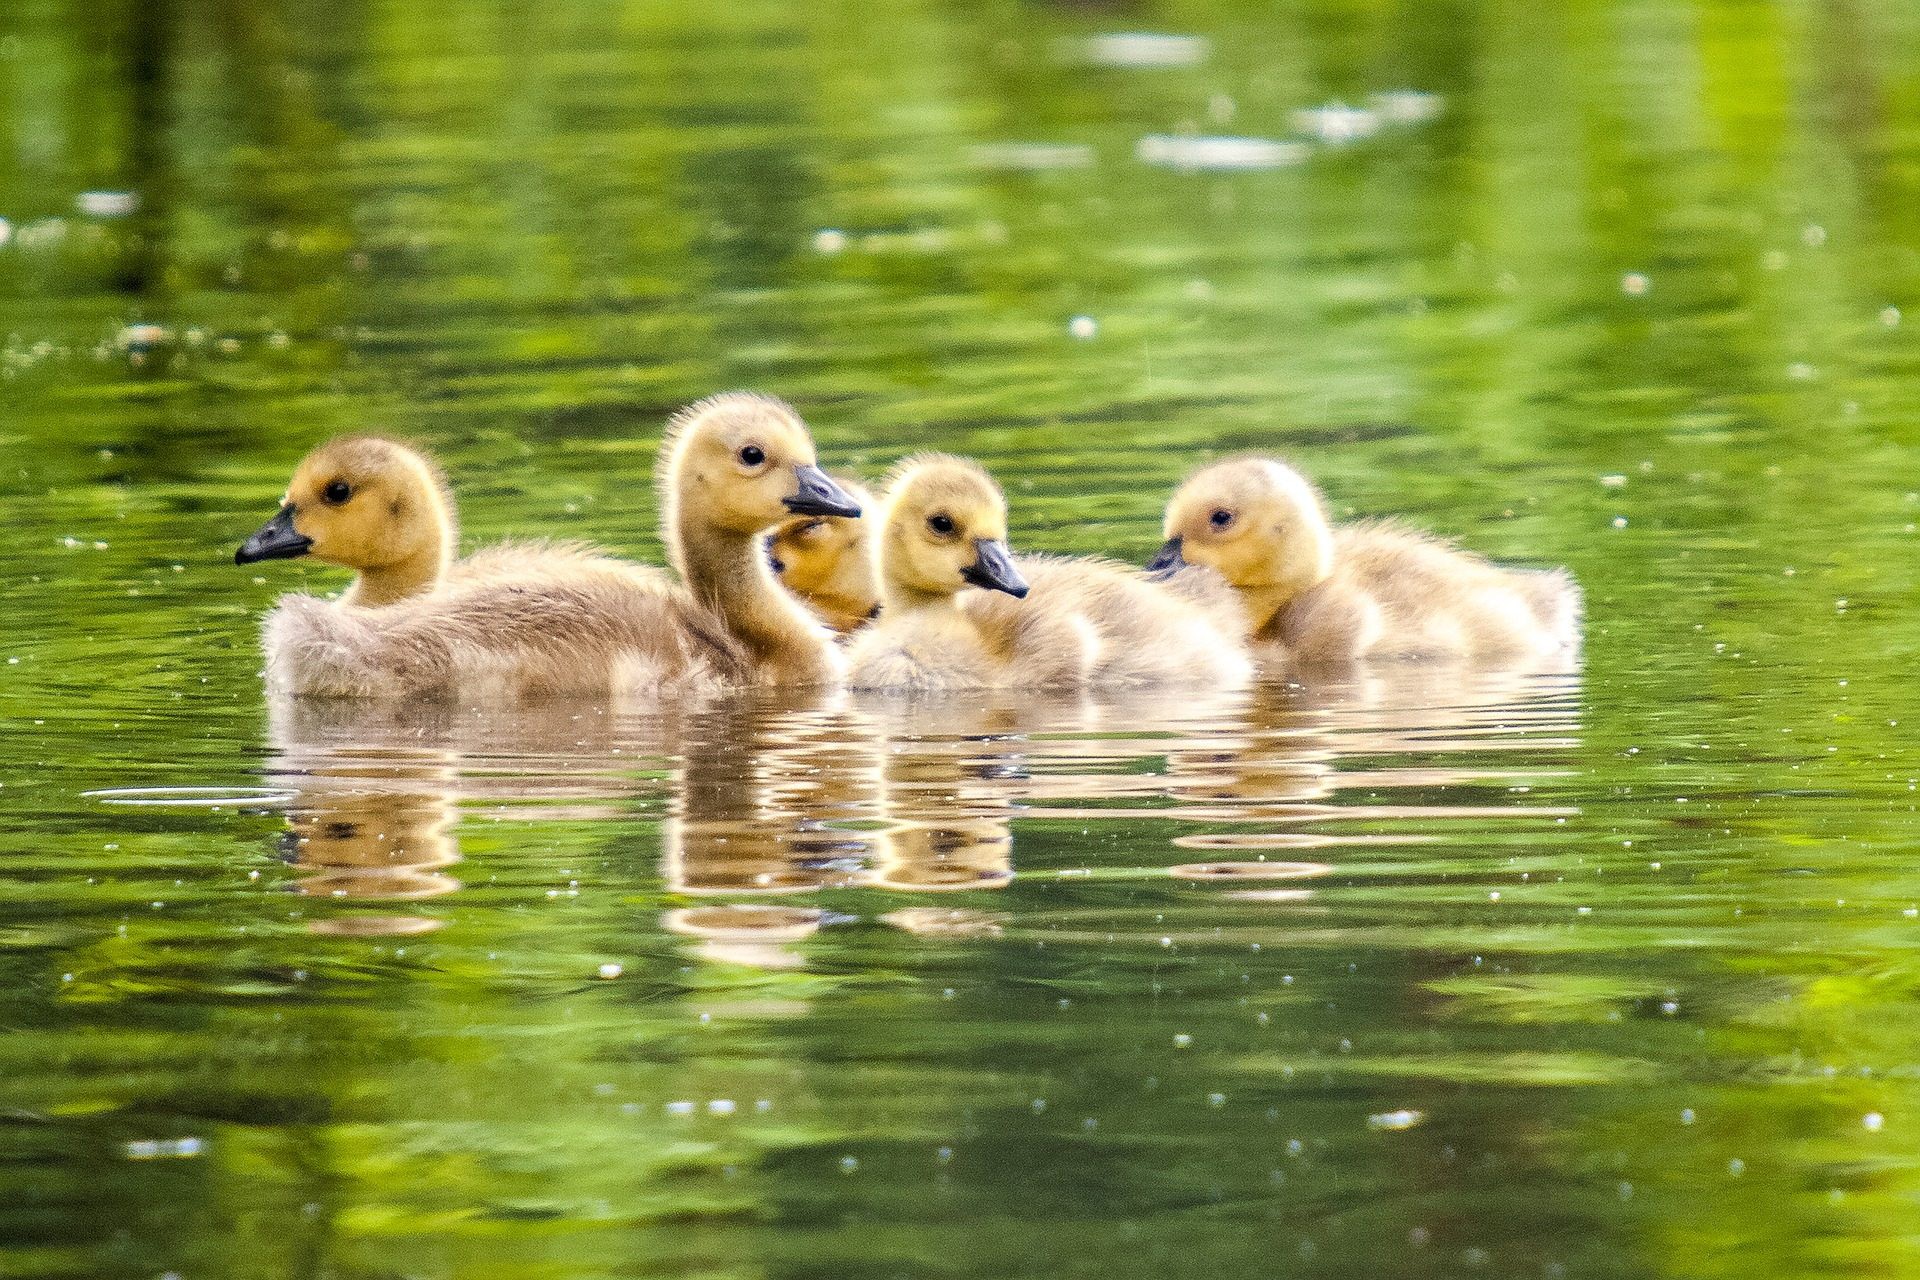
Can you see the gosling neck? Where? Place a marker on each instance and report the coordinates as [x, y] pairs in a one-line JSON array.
[[388, 583], [897, 599], [728, 573], [850, 593], [842, 612], [1265, 605]]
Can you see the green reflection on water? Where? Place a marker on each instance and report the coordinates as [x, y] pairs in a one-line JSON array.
[[1632, 302]]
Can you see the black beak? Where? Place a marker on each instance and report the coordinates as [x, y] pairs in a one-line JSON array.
[[1167, 558], [994, 569], [819, 496], [275, 540]]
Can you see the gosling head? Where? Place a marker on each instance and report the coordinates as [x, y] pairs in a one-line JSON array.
[[1256, 521], [827, 560], [366, 504], [946, 530], [741, 463]]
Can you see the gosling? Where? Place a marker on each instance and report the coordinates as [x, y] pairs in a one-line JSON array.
[[825, 561], [1086, 623], [1376, 589]]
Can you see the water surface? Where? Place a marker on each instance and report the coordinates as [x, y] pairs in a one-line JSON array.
[[1605, 973]]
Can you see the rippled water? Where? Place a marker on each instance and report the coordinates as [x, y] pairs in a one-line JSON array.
[[1425, 972]]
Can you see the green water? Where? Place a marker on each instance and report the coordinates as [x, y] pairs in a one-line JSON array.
[[1604, 975]]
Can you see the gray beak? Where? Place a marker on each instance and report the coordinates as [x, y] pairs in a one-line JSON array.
[[993, 569], [820, 496], [1168, 558], [277, 539]]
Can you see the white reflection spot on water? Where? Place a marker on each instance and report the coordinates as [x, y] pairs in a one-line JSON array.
[[194, 797], [1195, 154], [1336, 123], [1136, 49], [1396, 1120], [107, 204]]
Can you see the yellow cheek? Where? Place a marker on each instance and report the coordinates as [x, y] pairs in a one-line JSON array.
[[1235, 560], [1200, 551]]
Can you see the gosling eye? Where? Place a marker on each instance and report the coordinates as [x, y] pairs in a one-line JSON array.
[[752, 455], [941, 524], [336, 492], [1221, 518]]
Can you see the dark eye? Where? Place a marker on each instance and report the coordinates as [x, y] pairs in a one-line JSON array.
[[752, 455], [941, 524], [1221, 518], [337, 492]]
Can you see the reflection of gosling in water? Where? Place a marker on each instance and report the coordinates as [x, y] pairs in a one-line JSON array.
[[958, 853], [372, 844], [825, 561], [541, 619], [1373, 589], [1086, 622]]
